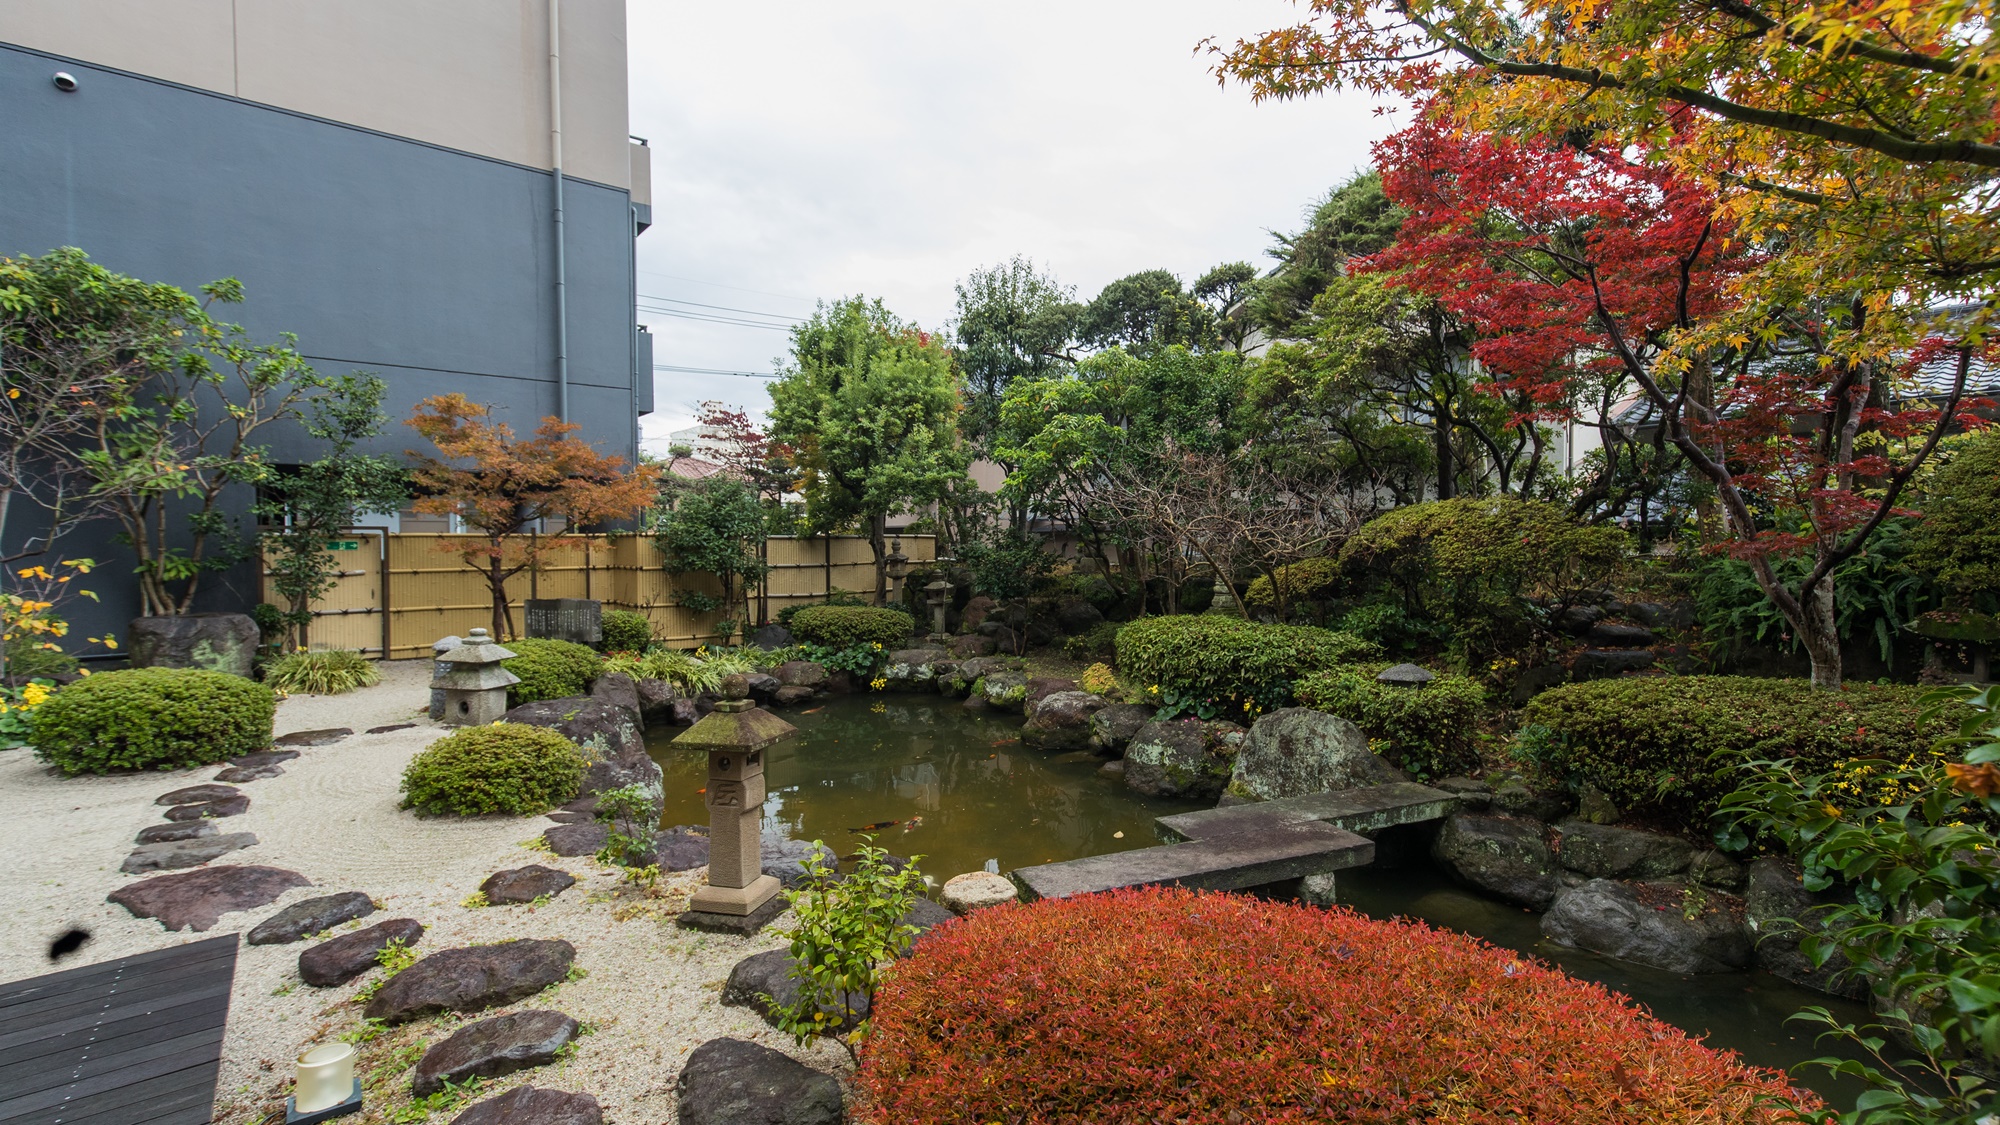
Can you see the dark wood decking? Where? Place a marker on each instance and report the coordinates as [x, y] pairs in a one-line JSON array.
[[136, 1041]]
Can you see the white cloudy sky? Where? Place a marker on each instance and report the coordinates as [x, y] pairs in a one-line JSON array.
[[805, 151]]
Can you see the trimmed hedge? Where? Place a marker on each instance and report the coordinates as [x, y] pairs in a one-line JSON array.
[[626, 631], [152, 718], [1226, 660], [842, 626], [500, 768], [550, 669], [1655, 740], [1226, 1008], [1308, 580], [1427, 730]]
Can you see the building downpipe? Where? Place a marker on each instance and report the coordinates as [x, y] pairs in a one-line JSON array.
[[556, 157]]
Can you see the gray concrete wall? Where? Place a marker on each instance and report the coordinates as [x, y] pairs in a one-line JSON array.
[[431, 267]]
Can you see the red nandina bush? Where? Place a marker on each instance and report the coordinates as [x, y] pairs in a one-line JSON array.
[[1166, 1005]]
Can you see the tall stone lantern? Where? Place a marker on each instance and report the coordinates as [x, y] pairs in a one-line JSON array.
[[938, 594], [739, 897], [897, 566], [475, 689]]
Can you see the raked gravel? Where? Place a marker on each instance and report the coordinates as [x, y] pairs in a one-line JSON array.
[[648, 988]]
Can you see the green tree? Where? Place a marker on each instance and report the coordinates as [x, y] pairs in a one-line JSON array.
[[1147, 311], [1958, 541], [871, 403], [1227, 289], [1354, 220], [716, 526], [1013, 322]]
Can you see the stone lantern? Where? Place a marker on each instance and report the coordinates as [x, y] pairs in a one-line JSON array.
[[475, 689], [1222, 600], [938, 595], [897, 566], [1405, 675], [739, 897]]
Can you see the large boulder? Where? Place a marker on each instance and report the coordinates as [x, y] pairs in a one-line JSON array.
[[736, 1082], [1113, 726], [1779, 912], [1612, 918], [1062, 721], [1185, 758], [1503, 856], [311, 916], [603, 731], [914, 669], [1074, 615], [1604, 852], [525, 1105], [620, 690], [976, 611], [764, 982], [491, 1048], [338, 960], [472, 979], [216, 642], [1294, 752], [771, 637], [658, 700], [1004, 691], [971, 646], [196, 900], [801, 673]]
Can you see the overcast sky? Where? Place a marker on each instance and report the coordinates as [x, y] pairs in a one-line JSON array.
[[811, 151]]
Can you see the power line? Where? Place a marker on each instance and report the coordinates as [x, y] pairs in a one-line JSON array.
[[715, 371], [738, 288], [706, 318], [721, 308]]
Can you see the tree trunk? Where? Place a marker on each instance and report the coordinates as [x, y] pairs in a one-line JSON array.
[[503, 614], [1821, 634], [877, 542]]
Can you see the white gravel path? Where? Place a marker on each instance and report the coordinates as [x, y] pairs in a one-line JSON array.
[[650, 990]]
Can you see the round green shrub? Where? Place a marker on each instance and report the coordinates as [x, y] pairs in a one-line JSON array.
[[1229, 661], [1308, 580], [1427, 730], [1958, 541], [329, 672], [550, 669], [1676, 742], [1097, 643], [626, 631], [842, 626], [29, 661], [500, 768], [152, 718]]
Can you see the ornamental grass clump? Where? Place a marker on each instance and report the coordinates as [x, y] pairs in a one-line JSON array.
[[152, 718], [508, 768], [550, 669], [330, 672], [1144, 1006], [1214, 665]]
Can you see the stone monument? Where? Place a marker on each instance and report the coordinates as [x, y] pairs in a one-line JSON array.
[[739, 897]]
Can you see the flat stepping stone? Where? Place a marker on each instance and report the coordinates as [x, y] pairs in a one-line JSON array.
[[735, 1082], [313, 737], [264, 758], [491, 1048], [211, 810], [577, 839], [312, 916], [172, 855], [197, 794], [472, 979], [196, 900], [525, 1105], [240, 774], [179, 830], [341, 959], [769, 975], [525, 884], [389, 728]]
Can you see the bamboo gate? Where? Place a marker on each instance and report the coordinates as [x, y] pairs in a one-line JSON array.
[[399, 592]]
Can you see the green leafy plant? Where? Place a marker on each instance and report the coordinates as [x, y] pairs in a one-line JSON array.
[[1308, 580], [842, 626], [152, 718], [628, 813], [508, 768], [684, 670], [713, 526], [328, 672], [626, 631], [860, 659], [33, 661], [1099, 642], [394, 958], [1427, 730], [1227, 665], [847, 930], [550, 669], [1099, 679], [1390, 625]]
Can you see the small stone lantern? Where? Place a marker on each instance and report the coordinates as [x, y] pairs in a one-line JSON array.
[[475, 690], [938, 595], [897, 566], [739, 897], [1405, 675]]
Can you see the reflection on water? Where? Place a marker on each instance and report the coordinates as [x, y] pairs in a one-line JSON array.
[[928, 778]]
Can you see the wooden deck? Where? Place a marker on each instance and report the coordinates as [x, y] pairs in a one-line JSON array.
[[136, 1041]]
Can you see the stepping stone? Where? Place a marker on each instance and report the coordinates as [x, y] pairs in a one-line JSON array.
[[341, 959], [171, 855], [491, 1048], [240, 774], [472, 979], [977, 890], [525, 1105], [197, 794], [387, 729], [207, 810], [736, 1082], [263, 758], [564, 816], [198, 899], [577, 839], [770, 974], [313, 737], [525, 884], [312, 916], [182, 830]]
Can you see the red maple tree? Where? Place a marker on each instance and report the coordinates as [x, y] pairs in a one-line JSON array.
[[746, 450]]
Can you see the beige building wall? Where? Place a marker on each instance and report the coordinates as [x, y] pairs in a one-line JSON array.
[[466, 74]]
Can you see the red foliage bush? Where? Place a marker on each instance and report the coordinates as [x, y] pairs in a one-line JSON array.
[[1166, 1005]]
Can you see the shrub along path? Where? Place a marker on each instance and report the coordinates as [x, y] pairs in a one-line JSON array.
[[650, 992]]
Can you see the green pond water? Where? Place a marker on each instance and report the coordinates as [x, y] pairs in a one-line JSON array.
[[958, 789]]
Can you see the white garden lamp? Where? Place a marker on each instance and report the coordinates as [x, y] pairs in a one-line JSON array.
[[326, 1087]]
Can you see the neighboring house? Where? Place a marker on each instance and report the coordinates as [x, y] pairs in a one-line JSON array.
[[379, 174]]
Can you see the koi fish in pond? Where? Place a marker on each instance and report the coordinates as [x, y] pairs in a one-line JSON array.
[[913, 822], [876, 827]]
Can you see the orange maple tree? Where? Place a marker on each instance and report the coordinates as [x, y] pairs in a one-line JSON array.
[[501, 487]]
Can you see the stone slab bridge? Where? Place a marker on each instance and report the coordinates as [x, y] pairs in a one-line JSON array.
[[1302, 840]]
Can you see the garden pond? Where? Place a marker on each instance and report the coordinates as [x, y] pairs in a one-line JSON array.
[[923, 776]]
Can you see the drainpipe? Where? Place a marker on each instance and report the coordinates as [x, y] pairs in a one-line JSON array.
[[555, 151]]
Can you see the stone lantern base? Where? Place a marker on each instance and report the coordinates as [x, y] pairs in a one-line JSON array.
[[713, 921]]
